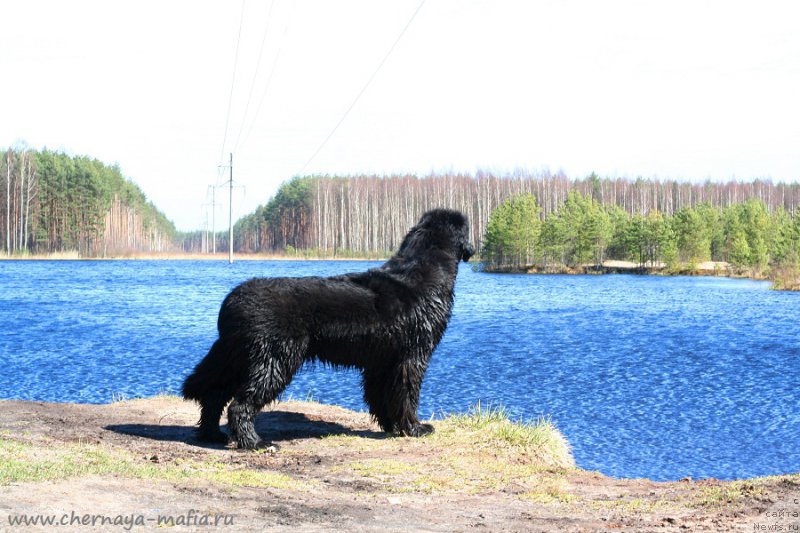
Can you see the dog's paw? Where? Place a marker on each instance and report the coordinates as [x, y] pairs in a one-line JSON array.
[[262, 446], [267, 447], [418, 430], [424, 429]]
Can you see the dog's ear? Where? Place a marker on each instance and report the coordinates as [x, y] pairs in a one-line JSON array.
[[430, 219]]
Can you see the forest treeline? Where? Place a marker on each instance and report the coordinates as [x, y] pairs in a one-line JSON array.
[[53, 202], [363, 215], [584, 232]]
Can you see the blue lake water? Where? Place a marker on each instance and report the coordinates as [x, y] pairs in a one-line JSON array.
[[646, 376]]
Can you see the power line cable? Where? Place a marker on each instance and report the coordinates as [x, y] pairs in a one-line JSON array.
[[233, 83], [363, 89], [271, 73], [255, 76]]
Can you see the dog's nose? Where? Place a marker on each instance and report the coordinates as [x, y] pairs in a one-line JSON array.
[[468, 252]]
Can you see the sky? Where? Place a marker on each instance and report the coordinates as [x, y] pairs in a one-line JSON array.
[[689, 90]]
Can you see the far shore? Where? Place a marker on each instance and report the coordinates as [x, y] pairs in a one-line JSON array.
[[706, 268], [181, 256], [720, 268], [783, 279]]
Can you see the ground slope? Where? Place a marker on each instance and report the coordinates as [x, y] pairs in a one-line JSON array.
[[136, 462]]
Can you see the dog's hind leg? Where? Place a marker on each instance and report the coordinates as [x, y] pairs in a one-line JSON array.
[[272, 368], [211, 405], [211, 384]]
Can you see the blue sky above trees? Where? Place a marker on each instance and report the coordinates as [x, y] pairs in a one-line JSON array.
[[680, 90]]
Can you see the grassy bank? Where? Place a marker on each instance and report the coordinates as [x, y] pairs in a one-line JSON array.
[[482, 439], [707, 268], [336, 471], [785, 278]]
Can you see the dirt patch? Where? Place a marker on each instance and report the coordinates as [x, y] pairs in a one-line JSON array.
[[136, 463]]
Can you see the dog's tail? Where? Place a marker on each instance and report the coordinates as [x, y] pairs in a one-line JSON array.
[[212, 373]]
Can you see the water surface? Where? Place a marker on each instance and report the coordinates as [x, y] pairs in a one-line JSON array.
[[646, 376]]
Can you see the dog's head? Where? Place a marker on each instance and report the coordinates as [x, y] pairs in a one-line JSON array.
[[449, 230]]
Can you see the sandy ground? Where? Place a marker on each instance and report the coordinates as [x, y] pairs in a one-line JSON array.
[[706, 266], [137, 461]]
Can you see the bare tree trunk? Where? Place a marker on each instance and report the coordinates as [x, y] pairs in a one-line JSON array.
[[8, 202], [21, 227], [30, 194]]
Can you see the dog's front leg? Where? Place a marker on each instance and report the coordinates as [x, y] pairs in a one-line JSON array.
[[403, 397]]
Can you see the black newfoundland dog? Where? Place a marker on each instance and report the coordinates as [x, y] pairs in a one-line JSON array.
[[386, 321]]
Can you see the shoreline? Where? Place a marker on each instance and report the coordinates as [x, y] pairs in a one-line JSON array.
[[171, 256], [781, 279], [336, 470], [719, 269], [323, 407], [707, 269]]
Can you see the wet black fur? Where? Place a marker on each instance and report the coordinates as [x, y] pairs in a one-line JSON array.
[[386, 321]]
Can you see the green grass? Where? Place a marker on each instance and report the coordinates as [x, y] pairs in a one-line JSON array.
[[549, 490], [738, 490], [476, 452], [491, 427], [381, 468], [118, 397], [482, 428], [633, 505], [21, 462], [27, 463], [786, 277]]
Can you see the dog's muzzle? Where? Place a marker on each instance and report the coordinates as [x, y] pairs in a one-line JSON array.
[[467, 252]]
